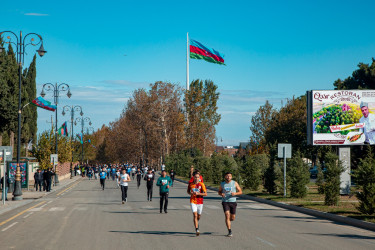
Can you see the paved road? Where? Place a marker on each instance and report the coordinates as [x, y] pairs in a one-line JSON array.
[[82, 216]]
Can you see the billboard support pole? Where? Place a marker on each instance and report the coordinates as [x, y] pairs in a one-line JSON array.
[[284, 171], [345, 178]]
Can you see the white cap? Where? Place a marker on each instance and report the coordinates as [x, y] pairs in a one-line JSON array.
[[363, 104]]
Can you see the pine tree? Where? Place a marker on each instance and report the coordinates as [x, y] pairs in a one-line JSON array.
[[270, 176], [365, 176], [4, 93], [11, 109], [320, 180], [29, 113], [332, 180], [251, 173], [299, 176]]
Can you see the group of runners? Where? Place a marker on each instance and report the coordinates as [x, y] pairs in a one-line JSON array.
[[123, 174], [228, 190]]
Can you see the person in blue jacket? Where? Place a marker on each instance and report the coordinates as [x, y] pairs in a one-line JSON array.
[[164, 182], [102, 176]]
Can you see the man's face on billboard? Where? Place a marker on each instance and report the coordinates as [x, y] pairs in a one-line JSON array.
[[365, 111]]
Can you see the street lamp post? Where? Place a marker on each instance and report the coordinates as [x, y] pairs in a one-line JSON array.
[[56, 93], [20, 45], [72, 109], [82, 120]]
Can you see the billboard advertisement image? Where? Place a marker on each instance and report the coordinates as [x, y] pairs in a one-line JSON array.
[[342, 117]]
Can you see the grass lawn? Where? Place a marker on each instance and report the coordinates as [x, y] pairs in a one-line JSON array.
[[346, 207]]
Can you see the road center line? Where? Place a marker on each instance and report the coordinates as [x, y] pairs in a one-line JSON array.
[[66, 189], [266, 242], [11, 225], [28, 215], [21, 213]]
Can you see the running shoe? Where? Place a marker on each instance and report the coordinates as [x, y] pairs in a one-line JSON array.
[[229, 234], [197, 232]]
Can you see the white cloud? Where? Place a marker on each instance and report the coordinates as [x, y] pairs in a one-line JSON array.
[[35, 14], [126, 83]]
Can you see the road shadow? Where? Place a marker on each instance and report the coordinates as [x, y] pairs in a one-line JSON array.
[[306, 219], [350, 236], [99, 203], [256, 209], [188, 197], [128, 212], [162, 233], [177, 197]]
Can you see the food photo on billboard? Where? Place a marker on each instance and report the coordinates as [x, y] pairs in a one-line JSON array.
[[342, 117]]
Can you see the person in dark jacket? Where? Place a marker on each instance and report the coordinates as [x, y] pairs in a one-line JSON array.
[[47, 176], [6, 186], [38, 178], [149, 178], [172, 176]]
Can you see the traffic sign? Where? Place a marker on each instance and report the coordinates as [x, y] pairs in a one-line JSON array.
[[54, 159], [280, 150], [8, 153]]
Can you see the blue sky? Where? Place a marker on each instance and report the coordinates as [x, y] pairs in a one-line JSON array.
[[273, 50]]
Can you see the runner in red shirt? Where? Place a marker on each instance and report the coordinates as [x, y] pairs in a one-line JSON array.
[[197, 191], [192, 177]]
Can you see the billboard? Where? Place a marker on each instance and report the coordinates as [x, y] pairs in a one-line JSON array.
[[12, 169], [341, 117]]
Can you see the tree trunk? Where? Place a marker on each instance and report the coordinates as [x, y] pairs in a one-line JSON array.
[[1, 140], [11, 141]]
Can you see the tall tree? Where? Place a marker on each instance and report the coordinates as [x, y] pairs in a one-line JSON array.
[[166, 112], [289, 125], [260, 123], [362, 78], [11, 106], [201, 108]]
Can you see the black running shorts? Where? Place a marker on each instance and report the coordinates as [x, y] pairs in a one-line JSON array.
[[229, 206]]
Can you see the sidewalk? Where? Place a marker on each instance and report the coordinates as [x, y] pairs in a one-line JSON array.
[[31, 195]]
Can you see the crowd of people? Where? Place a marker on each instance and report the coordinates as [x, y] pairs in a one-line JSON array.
[[43, 179]]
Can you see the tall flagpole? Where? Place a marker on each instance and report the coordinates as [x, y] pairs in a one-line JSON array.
[[187, 61]]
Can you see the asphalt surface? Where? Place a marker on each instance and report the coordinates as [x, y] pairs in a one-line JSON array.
[[82, 216]]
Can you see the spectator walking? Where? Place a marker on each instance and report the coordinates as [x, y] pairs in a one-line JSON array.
[[38, 180]]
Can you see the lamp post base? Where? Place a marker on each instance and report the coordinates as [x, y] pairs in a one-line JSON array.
[[17, 194]]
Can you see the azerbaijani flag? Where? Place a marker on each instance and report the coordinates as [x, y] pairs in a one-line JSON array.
[[63, 130], [80, 138], [44, 104], [199, 51]]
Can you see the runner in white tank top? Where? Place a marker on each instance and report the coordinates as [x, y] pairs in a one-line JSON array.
[[123, 180]]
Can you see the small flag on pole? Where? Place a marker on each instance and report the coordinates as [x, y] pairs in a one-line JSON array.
[[44, 104], [63, 130], [79, 136], [199, 51]]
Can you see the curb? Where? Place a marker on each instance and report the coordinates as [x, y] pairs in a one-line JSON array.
[[7, 208], [332, 217]]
